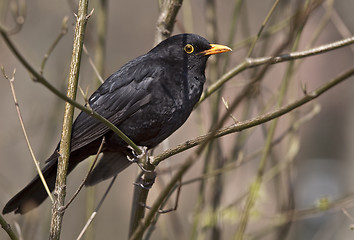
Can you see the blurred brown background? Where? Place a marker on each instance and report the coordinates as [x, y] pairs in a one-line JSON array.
[[323, 166]]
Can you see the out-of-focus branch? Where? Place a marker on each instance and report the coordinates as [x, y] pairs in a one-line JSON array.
[[64, 150], [271, 11], [101, 26], [18, 11], [214, 149], [93, 65], [254, 62], [323, 207], [166, 20], [254, 189], [340, 26], [97, 208], [64, 30]]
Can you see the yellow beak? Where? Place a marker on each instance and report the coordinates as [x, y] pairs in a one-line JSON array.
[[216, 49]]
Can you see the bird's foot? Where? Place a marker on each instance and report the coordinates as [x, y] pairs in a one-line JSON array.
[[143, 150], [135, 158]]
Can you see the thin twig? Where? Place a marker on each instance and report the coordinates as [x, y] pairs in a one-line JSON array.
[[97, 209], [64, 30], [11, 81], [84, 180], [270, 31], [226, 104], [270, 12], [163, 211], [7, 228], [92, 64]]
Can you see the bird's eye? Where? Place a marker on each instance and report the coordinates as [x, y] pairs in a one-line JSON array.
[[188, 48]]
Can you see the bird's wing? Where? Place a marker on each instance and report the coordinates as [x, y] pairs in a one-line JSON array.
[[124, 93]]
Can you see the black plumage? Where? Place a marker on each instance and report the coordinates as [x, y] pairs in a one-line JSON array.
[[148, 99]]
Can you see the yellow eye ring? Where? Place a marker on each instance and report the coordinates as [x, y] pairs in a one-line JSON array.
[[188, 48]]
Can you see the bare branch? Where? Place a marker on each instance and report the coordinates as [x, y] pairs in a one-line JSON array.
[[36, 162], [64, 150], [98, 75], [7, 228], [166, 20]]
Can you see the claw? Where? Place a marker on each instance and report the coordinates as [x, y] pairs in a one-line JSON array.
[[143, 151], [135, 158], [142, 168]]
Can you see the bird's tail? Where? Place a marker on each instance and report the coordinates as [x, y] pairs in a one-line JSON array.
[[34, 193]]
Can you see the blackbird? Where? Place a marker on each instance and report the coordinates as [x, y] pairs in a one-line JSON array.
[[148, 99]]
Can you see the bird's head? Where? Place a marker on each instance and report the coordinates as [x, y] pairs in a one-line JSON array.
[[189, 49]]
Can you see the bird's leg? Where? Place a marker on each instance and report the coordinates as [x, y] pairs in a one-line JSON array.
[[171, 209]]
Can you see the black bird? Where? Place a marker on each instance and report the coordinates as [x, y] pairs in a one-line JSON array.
[[148, 99]]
